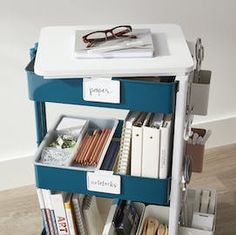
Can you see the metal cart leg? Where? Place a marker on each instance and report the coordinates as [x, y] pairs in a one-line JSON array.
[[178, 148], [40, 120]]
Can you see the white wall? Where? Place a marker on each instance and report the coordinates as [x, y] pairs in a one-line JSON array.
[[20, 23]]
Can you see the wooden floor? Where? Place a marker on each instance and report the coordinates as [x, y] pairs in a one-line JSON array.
[[20, 215]]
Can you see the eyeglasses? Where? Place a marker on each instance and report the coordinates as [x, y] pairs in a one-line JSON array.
[[108, 34]]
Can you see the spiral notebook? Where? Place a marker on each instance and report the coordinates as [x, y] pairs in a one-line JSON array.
[[125, 143]]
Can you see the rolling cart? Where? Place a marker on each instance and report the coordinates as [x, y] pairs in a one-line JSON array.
[[50, 82]]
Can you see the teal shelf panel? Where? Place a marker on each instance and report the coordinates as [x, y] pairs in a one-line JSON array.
[[148, 190], [136, 95]]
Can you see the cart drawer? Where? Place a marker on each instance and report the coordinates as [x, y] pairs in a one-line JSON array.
[[137, 95]]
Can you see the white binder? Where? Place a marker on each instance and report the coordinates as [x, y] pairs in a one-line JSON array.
[[137, 146], [165, 146], [151, 146]]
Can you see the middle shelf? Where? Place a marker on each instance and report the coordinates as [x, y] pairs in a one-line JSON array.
[[69, 177], [148, 190]]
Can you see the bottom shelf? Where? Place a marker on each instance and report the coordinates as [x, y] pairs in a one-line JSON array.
[[108, 214]]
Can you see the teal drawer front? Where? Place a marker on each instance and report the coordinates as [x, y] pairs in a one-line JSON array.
[[137, 95], [146, 190]]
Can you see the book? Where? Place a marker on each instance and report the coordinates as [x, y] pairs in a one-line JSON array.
[[43, 210], [70, 214], [92, 216], [111, 155], [141, 46], [109, 228], [77, 201], [50, 212], [60, 213]]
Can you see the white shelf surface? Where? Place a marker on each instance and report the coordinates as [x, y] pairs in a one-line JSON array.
[[55, 57]]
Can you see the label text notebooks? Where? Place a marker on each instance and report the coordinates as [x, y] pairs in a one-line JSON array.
[[125, 143], [151, 146]]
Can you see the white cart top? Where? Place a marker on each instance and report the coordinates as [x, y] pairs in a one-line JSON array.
[[55, 57]]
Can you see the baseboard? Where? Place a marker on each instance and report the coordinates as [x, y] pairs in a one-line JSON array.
[[16, 172], [223, 131], [20, 171]]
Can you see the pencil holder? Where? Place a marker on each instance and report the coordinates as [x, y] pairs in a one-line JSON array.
[[196, 151], [200, 93]]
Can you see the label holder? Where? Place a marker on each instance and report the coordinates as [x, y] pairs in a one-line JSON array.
[[101, 89], [103, 182]]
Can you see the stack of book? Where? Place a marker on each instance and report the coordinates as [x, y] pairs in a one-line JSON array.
[[70, 214]]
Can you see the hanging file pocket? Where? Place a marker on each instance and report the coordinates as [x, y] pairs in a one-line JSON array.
[[195, 148], [200, 92]]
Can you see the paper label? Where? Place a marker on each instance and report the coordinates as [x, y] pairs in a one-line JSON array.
[[101, 90], [106, 183]]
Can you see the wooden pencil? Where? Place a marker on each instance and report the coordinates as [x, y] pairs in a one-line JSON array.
[[98, 152], [97, 144], [97, 147], [85, 148], [83, 142], [90, 148], [102, 147]]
